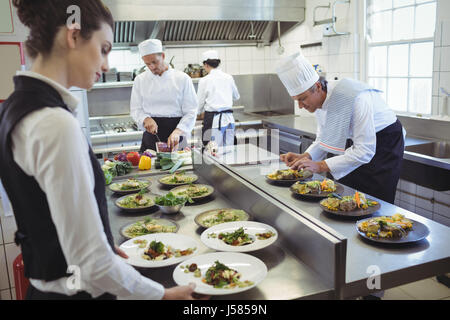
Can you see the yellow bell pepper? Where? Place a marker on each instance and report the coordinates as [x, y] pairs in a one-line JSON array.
[[145, 163]]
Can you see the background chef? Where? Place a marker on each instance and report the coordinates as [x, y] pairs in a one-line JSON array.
[[354, 124], [163, 100], [216, 93]]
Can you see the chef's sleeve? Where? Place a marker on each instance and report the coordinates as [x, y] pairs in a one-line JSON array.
[[236, 95], [189, 107], [136, 105], [364, 140], [201, 95]]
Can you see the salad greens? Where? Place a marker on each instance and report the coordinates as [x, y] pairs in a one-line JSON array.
[[172, 200], [236, 238]]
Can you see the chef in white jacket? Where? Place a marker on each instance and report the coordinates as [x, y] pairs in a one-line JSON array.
[[163, 100], [216, 93], [354, 125]]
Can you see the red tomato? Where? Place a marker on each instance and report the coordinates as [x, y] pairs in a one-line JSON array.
[[133, 157]]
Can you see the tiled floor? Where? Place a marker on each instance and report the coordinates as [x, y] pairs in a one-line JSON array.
[[428, 289]]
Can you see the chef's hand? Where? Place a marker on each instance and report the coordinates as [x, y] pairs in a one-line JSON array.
[[290, 158], [183, 293], [120, 252], [174, 138], [308, 164], [150, 125]]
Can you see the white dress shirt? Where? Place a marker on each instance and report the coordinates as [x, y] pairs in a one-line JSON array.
[[49, 145], [371, 115], [170, 95], [216, 93]]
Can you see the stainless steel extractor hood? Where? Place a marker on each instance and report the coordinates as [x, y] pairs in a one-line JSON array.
[[204, 22]]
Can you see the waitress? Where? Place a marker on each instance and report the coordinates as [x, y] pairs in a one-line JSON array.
[[51, 176], [163, 100], [216, 93], [354, 125]]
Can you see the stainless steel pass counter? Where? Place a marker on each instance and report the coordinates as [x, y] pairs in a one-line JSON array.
[[396, 264], [288, 276]]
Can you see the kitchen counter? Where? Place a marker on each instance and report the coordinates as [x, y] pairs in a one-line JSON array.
[[397, 264], [302, 282], [300, 126]]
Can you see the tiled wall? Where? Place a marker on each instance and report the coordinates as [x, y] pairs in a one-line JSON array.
[[441, 74], [428, 203], [8, 252]]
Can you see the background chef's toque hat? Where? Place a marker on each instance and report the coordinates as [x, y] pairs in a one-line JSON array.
[[210, 55], [297, 74], [150, 46]]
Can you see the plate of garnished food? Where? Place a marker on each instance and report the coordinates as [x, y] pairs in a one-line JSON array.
[[159, 249], [221, 273], [194, 191], [178, 179], [395, 229], [288, 177], [148, 226], [137, 202], [316, 188], [350, 206], [239, 236], [129, 186], [211, 218]]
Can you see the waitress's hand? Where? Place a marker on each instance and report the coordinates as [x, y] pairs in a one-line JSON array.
[[313, 166], [120, 252], [150, 125], [174, 139], [183, 293]]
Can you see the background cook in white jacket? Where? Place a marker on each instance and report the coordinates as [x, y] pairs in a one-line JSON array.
[[163, 100], [216, 93]]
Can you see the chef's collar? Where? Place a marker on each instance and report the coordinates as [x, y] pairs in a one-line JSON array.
[[69, 99], [165, 73]]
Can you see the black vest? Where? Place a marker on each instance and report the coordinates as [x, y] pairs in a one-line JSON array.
[[42, 254]]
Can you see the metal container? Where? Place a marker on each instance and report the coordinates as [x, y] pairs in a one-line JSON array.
[[171, 209]]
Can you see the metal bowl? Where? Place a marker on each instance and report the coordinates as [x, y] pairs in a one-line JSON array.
[[171, 209]]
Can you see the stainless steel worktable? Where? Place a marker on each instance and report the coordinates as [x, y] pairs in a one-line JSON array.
[[398, 264], [288, 277]]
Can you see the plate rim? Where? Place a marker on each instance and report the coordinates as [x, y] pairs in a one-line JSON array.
[[339, 189], [132, 209], [383, 241], [211, 188], [178, 184], [204, 212], [341, 213], [246, 248], [128, 191], [122, 229], [288, 181], [224, 292], [174, 234]]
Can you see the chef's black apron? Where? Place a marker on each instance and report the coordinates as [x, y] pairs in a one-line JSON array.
[[208, 122], [379, 178], [165, 129], [41, 251]]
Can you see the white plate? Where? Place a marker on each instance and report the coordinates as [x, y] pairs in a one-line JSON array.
[[250, 227], [177, 241], [249, 267]]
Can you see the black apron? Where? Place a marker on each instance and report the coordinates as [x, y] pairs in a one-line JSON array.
[[208, 122], [165, 129], [379, 178]]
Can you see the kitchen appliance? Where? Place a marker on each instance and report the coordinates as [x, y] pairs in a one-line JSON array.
[[203, 23]]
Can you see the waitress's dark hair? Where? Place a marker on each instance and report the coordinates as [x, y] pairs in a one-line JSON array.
[[45, 17], [212, 62]]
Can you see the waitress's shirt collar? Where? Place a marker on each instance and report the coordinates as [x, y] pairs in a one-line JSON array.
[[69, 99]]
